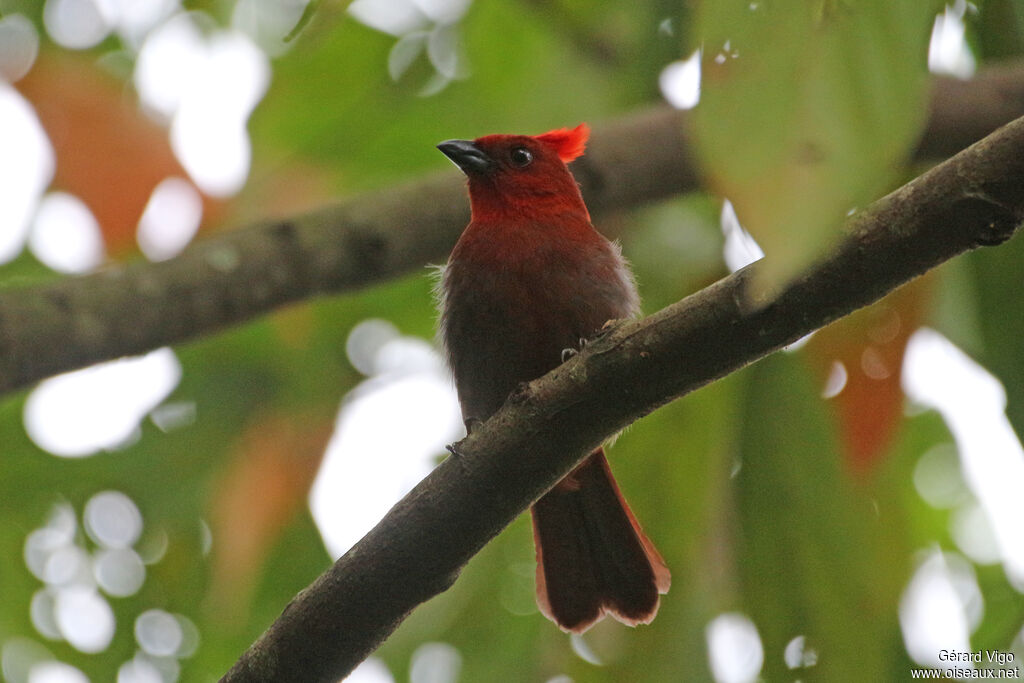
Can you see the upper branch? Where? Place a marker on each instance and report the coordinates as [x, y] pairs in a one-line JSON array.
[[236, 276], [546, 428]]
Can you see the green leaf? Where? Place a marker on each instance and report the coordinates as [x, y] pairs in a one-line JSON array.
[[811, 555], [807, 112]]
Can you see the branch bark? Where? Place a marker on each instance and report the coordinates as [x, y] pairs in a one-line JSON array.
[[550, 424], [236, 276]]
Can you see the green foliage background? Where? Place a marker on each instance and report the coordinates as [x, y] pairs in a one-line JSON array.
[[743, 484]]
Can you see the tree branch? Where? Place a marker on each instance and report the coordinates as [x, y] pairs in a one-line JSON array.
[[962, 112], [239, 275], [549, 425]]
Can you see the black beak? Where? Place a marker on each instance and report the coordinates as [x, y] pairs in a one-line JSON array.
[[467, 156]]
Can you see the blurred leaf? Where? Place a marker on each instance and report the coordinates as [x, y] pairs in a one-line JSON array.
[[1000, 29], [807, 112], [307, 15], [863, 355], [996, 279], [808, 551], [275, 461], [902, 525], [372, 130], [675, 247], [295, 560], [109, 153]]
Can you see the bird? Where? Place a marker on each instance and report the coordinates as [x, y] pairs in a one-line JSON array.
[[529, 279]]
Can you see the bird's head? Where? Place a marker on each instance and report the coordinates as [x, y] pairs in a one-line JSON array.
[[508, 171]]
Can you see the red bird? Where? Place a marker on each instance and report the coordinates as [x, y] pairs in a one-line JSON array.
[[529, 278]]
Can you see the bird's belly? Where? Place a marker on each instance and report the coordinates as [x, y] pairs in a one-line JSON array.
[[499, 334]]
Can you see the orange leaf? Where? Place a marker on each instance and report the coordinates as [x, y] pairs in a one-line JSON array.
[[267, 484], [109, 153], [868, 347]]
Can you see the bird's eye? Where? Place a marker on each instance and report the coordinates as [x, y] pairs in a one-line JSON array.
[[521, 157]]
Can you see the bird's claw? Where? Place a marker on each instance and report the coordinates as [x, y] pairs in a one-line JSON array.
[[570, 352]]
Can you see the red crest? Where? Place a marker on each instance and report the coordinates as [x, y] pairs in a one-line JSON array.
[[568, 143]]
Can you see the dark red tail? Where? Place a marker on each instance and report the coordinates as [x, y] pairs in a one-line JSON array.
[[592, 557]]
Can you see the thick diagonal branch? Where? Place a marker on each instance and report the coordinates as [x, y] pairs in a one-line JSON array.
[[239, 275], [546, 428]]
